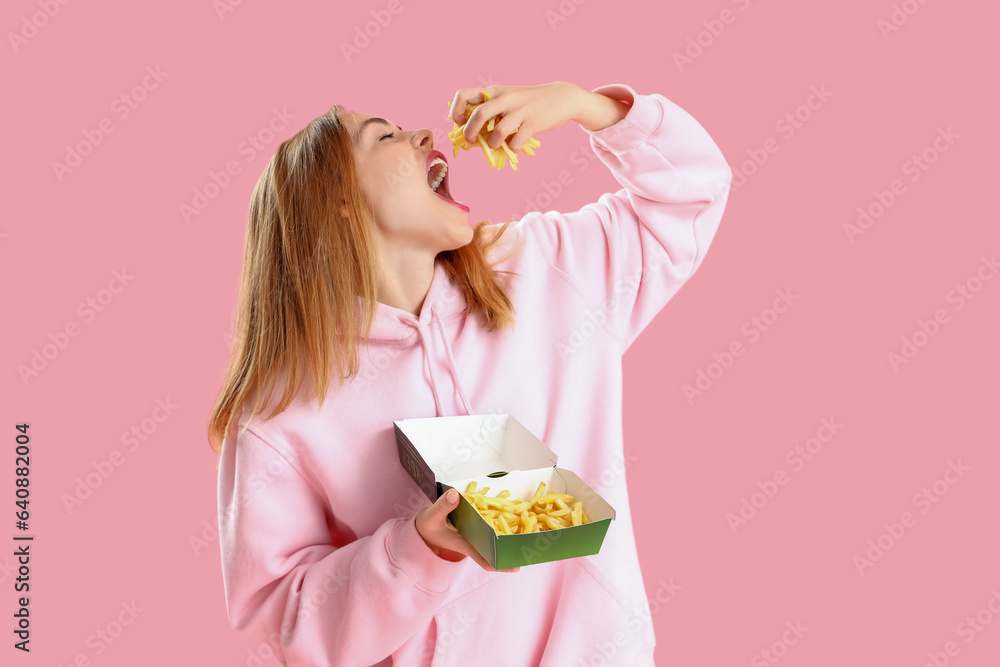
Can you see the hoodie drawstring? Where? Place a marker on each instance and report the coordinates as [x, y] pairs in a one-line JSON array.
[[430, 377], [435, 318], [428, 352]]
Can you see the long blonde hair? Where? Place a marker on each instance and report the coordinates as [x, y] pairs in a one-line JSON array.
[[304, 267]]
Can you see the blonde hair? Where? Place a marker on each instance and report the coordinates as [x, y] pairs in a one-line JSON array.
[[304, 267]]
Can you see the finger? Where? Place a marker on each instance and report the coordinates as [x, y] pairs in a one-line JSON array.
[[481, 115], [519, 138], [434, 518], [444, 505], [502, 130], [463, 98]]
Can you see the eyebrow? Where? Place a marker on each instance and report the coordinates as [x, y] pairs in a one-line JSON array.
[[369, 121]]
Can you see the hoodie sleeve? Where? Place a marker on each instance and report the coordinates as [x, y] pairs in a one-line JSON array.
[[352, 604], [628, 254]]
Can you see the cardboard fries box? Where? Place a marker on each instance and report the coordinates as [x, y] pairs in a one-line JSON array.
[[495, 450]]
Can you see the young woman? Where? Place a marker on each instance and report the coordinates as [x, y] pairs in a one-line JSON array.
[[355, 265]]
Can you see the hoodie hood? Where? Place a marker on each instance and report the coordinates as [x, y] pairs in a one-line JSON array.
[[393, 326], [444, 299]]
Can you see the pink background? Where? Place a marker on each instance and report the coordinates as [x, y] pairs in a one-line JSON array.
[[145, 535]]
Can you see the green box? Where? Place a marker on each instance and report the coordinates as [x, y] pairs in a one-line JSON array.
[[441, 453]]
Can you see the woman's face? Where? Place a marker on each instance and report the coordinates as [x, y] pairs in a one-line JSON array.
[[395, 168]]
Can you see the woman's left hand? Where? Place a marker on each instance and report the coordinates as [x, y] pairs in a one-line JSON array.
[[521, 111]]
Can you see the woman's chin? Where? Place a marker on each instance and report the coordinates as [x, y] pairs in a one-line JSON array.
[[460, 239]]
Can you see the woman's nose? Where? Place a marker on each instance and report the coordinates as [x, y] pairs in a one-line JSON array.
[[422, 137]]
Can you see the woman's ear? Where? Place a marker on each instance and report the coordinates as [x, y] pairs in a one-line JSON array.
[[343, 209]]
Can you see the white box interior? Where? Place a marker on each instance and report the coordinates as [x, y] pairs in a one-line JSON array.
[[477, 444]]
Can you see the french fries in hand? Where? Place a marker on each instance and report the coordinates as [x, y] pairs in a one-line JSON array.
[[496, 157], [510, 516]]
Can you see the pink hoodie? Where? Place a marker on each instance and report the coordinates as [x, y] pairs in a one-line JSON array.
[[320, 553]]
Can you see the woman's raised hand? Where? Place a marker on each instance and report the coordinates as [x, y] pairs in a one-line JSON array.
[[521, 111], [443, 538]]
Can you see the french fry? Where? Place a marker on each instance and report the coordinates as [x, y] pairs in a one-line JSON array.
[[496, 157], [512, 516], [577, 513]]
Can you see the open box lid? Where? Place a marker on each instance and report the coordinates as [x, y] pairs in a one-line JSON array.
[[467, 446]]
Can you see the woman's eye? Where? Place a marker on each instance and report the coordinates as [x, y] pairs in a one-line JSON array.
[[391, 134]]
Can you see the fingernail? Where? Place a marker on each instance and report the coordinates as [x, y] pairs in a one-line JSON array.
[[452, 493]]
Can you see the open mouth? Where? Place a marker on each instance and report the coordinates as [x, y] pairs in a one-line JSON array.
[[437, 177]]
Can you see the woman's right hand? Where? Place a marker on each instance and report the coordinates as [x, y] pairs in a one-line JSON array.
[[443, 538], [521, 111]]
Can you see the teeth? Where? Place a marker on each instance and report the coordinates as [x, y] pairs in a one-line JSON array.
[[440, 177]]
